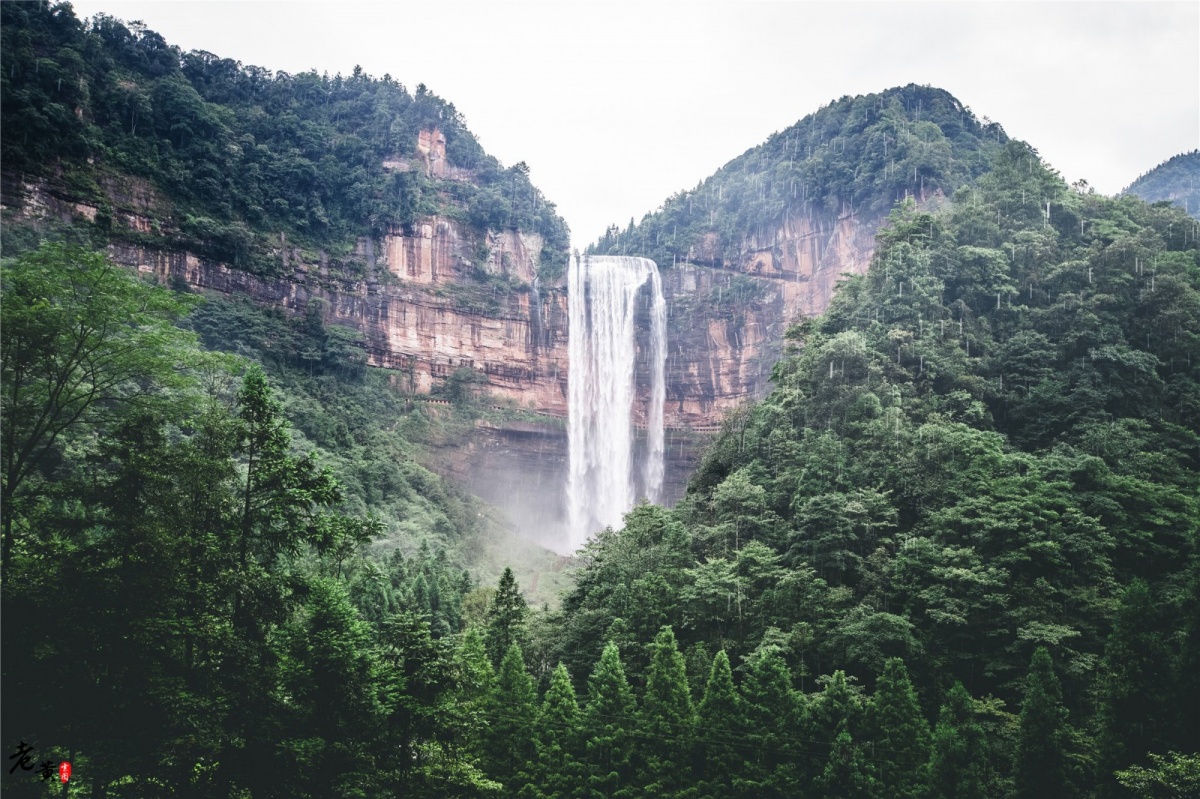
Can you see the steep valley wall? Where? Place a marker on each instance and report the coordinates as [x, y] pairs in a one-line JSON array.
[[438, 296]]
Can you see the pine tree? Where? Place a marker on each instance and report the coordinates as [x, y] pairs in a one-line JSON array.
[[838, 707], [667, 722], [958, 765], [476, 685], [608, 725], [506, 617], [511, 712], [902, 734], [721, 729], [1039, 769]]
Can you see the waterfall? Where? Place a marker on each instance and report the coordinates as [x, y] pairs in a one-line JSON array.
[[601, 486]]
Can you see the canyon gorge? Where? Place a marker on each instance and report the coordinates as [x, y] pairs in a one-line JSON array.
[[427, 305]]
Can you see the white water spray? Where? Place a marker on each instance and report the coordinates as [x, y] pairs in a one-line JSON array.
[[601, 486]]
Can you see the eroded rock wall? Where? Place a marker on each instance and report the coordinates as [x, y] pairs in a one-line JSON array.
[[727, 314], [519, 346], [439, 296]]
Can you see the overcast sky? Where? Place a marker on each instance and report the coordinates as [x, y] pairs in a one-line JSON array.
[[615, 105]]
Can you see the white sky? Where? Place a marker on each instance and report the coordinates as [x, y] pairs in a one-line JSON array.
[[617, 105]]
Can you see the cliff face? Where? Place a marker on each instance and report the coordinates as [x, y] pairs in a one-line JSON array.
[[764, 240], [727, 316], [440, 296], [424, 307], [516, 341]]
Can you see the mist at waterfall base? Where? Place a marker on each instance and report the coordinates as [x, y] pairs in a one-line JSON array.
[[555, 487], [605, 476]]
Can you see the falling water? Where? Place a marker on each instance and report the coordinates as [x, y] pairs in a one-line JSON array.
[[601, 485]]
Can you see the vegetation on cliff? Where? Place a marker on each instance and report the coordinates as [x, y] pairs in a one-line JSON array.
[[984, 461], [240, 154], [858, 154], [954, 553], [1176, 180]]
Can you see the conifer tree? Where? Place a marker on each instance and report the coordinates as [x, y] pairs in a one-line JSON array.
[[838, 707], [506, 617], [774, 722], [847, 774], [608, 725], [555, 770], [1039, 769], [511, 712], [958, 765], [839, 702], [667, 722], [721, 729], [476, 685], [901, 733]]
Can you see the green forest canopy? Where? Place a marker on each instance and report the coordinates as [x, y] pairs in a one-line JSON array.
[[860, 154], [952, 554], [241, 153]]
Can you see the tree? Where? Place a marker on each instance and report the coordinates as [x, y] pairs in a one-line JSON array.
[[80, 335], [608, 724], [846, 775], [506, 617], [720, 731], [957, 769], [901, 733], [512, 713], [1039, 769], [555, 771], [279, 499], [1135, 707], [1172, 777], [331, 676], [774, 723], [475, 687], [667, 722]]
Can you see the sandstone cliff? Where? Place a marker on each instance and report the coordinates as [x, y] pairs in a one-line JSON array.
[[435, 298], [727, 315], [430, 304]]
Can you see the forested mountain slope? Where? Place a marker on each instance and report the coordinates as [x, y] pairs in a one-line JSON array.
[[215, 558], [765, 238], [985, 452], [1176, 180], [856, 155], [295, 204], [235, 155]]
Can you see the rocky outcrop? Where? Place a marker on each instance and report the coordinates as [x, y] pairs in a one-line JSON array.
[[439, 296], [727, 315], [517, 341], [441, 250]]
